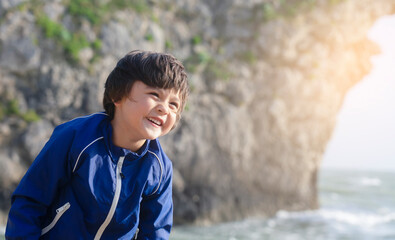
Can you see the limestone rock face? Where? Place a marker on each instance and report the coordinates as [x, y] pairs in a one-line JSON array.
[[267, 81]]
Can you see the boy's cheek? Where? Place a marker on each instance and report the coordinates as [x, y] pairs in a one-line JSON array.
[[176, 122]]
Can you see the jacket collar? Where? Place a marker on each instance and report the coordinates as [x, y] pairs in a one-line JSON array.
[[117, 152]]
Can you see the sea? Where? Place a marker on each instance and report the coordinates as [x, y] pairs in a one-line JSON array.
[[354, 205]]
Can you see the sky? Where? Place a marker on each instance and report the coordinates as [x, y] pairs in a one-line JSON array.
[[364, 136]]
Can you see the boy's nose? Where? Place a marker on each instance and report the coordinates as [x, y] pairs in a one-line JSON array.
[[161, 108]]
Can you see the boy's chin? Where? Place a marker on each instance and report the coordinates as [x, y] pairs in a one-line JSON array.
[[151, 138], [154, 136]]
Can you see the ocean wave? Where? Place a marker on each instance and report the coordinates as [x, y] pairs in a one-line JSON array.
[[358, 219], [367, 181], [339, 216]]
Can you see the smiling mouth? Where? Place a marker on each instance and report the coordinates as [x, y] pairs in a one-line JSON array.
[[155, 121]]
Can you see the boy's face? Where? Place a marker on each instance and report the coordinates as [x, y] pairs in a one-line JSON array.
[[147, 112]]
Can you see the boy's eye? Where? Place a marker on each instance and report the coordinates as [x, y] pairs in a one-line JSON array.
[[154, 94], [174, 105]]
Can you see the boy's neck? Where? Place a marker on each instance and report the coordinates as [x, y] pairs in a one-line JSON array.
[[120, 139]]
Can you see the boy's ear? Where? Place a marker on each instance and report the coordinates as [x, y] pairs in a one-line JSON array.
[[116, 103]]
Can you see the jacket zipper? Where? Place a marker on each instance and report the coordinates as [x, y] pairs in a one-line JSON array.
[[114, 201], [59, 212]]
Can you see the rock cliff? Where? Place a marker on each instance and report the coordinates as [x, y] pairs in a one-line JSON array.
[[268, 78]]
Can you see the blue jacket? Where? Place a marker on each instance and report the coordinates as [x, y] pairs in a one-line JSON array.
[[81, 186]]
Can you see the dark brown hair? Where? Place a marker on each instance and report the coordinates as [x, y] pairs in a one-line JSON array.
[[154, 69]]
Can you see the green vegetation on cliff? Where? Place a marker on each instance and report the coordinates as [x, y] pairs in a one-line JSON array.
[[11, 108], [289, 8], [95, 12]]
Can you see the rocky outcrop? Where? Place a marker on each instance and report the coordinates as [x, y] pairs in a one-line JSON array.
[[267, 80]]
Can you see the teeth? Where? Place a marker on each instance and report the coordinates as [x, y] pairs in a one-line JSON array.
[[155, 121]]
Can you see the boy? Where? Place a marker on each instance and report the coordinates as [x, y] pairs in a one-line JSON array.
[[105, 176]]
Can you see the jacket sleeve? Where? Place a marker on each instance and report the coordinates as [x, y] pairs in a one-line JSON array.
[[156, 215], [38, 188]]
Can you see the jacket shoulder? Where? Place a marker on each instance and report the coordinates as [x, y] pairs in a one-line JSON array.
[[85, 123], [156, 150], [83, 132], [80, 122], [162, 165]]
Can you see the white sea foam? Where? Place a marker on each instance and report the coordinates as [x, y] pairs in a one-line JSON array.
[[351, 218], [366, 181], [359, 219]]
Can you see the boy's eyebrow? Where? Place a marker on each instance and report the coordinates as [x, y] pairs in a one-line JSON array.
[[149, 87], [176, 95], [176, 98]]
